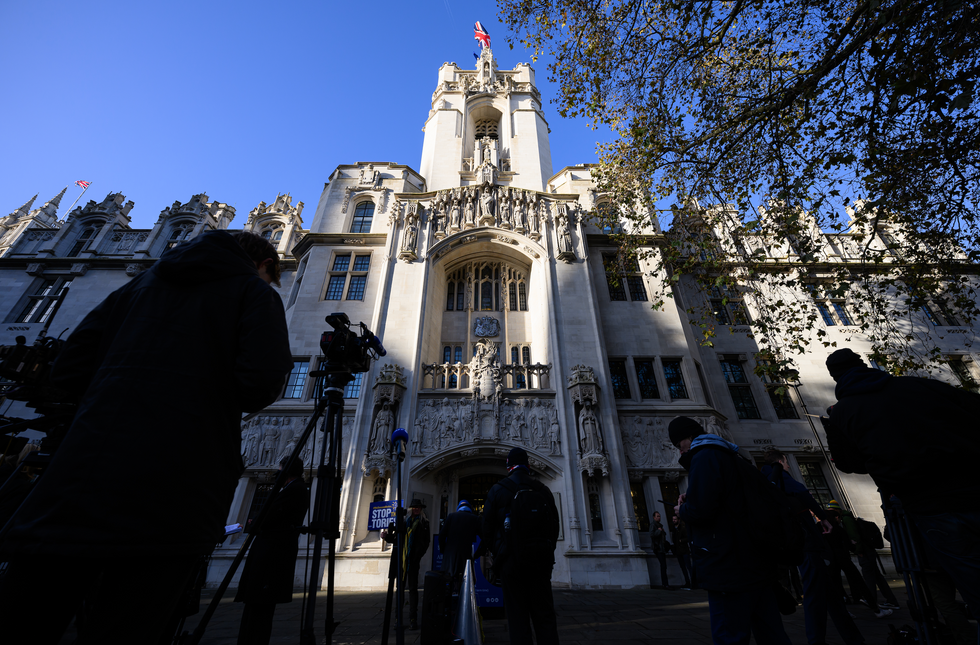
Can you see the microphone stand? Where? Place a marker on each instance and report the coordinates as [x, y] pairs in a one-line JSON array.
[[399, 439]]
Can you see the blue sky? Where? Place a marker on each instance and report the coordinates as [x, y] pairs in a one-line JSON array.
[[241, 100]]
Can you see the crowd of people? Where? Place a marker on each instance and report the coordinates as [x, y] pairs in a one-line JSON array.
[[755, 539]]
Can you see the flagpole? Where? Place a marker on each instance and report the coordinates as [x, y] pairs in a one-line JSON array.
[[77, 198]]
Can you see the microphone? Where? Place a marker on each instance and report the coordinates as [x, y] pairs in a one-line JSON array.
[[373, 342], [399, 439]]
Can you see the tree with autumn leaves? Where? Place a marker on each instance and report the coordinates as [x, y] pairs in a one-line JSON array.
[[786, 149]]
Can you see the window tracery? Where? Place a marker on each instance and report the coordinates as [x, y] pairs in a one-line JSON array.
[[486, 286]]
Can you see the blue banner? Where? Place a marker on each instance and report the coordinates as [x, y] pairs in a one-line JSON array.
[[382, 514]]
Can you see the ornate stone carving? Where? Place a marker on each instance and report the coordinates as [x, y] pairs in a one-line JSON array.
[[566, 251], [391, 373], [486, 326], [410, 240], [488, 205], [647, 444], [134, 269], [470, 452], [36, 268], [534, 254], [80, 268], [581, 374], [352, 241]]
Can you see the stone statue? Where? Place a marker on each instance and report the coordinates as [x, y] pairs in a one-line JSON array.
[[382, 431], [469, 209], [554, 433], [411, 234], [564, 234], [454, 223], [250, 447], [418, 431], [591, 435], [487, 206], [521, 223]]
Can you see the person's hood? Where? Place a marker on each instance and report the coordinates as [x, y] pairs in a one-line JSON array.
[[211, 256], [860, 380], [706, 440]]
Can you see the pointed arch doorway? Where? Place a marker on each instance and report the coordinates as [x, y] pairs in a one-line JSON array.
[[474, 488]]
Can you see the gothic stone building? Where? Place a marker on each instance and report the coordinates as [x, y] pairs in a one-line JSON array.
[[489, 290]]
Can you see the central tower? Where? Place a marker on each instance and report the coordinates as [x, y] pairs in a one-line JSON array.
[[486, 122]]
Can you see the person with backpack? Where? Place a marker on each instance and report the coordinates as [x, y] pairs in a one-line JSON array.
[[723, 506], [916, 437], [865, 537], [821, 596], [520, 528]]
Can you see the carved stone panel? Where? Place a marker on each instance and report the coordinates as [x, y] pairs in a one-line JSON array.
[[486, 326]]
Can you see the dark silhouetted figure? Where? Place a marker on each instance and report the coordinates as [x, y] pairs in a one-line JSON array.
[[140, 488], [739, 579], [520, 528], [269, 572], [895, 428]]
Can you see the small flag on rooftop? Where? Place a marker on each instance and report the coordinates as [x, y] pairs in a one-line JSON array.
[[83, 184], [482, 35]]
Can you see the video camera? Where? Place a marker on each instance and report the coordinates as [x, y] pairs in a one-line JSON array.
[[344, 351]]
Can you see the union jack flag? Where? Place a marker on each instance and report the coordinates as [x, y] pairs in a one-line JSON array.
[[482, 35], [83, 184]]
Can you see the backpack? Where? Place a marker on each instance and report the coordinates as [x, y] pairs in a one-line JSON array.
[[870, 533], [530, 533], [772, 517]]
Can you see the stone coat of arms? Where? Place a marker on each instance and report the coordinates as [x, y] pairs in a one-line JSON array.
[[486, 326]]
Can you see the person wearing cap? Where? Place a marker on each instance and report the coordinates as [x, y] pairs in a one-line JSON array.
[[459, 532], [739, 580], [917, 439], [416, 543], [526, 573]]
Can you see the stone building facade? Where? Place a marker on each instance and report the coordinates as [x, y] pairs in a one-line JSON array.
[[489, 288]]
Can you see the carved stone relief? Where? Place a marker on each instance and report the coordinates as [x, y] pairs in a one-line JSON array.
[[486, 326], [267, 440], [532, 423]]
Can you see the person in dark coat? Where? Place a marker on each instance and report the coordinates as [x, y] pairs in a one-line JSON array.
[[897, 428], [525, 575], [269, 572], [871, 578], [417, 538], [660, 548], [456, 539], [682, 550], [164, 368], [737, 576], [820, 596]]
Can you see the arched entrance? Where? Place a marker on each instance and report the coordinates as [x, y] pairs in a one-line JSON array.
[[475, 488]]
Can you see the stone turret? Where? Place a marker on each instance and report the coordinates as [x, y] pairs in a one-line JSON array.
[[281, 223], [48, 214]]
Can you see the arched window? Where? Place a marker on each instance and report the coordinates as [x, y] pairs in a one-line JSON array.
[[179, 234], [512, 288], [451, 296], [82, 240], [485, 128], [486, 296], [363, 214], [515, 359], [267, 234], [460, 296], [526, 355], [523, 296], [277, 236]]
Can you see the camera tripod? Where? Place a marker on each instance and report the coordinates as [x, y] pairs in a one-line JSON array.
[[325, 520]]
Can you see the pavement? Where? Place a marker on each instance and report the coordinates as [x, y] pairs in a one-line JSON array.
[[618, 616]]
